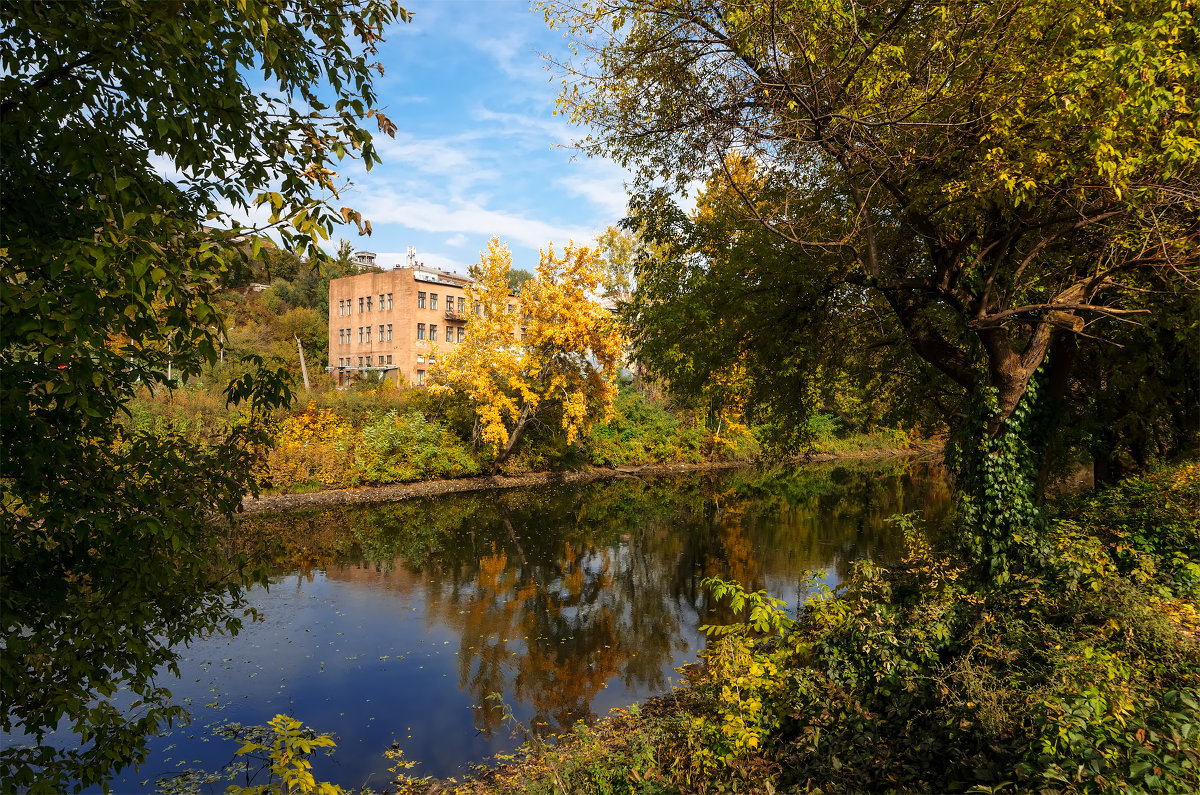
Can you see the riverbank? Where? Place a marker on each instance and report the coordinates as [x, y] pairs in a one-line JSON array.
[[396, 492], [1079, 674]]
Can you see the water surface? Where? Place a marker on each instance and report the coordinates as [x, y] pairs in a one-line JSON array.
[[394, 623]]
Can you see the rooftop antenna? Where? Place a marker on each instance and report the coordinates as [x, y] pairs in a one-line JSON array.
[[412, 256]]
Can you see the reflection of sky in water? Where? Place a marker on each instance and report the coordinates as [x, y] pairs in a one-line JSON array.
[[567, 616], [356, 657]]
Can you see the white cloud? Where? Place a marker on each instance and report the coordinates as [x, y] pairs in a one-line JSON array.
[[457, 164], [513, 53], [600, 182], [468, 218], [458, 240], [434, 156], [546, 131]]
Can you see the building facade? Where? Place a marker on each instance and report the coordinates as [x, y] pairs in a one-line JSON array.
[[393, 324]]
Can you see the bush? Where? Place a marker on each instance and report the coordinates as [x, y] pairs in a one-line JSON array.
[[315, 447], [1080, 674], [642, 432], [397, 447]]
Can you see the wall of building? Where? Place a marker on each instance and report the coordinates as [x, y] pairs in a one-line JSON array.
[[408, 304]]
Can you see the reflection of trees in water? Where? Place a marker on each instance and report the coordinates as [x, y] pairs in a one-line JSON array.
[[555, 591], [551, 635]]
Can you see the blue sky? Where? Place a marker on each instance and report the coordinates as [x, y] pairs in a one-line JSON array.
[[478, 151]]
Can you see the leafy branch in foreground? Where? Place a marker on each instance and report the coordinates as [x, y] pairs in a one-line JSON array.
[[133, 144]]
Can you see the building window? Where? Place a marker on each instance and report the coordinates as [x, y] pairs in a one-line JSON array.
[[420, 360], [381, 302], [389, 301], [360, 333], [389, 358], [340, 306], [433, 300], [360, 361], [462, 305], [389, 332], [368, 333], [381, 332], [461, 332], [420, 300], [340, 332], [420, 331], [432, 333], [432, 358], [511, 308], [449, 334], [420, 377], [368, 303], [368, 361], [360, 306]]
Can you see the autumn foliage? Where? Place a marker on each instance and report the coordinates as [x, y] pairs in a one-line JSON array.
[[549, 349]]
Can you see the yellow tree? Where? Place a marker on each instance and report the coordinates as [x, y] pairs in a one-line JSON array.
[[550, 346]]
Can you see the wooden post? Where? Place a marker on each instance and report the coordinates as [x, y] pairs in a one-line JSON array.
[[303, 367]]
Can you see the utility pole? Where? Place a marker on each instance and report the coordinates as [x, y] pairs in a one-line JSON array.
[[303, 367]]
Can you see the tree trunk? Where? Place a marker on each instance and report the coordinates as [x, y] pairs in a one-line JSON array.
[[514, 437], [303, 366], [1008, 371]]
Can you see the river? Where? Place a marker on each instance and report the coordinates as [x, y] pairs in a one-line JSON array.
[[395, 623]]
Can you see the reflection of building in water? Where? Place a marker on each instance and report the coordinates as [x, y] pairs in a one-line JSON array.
[[391, 575]]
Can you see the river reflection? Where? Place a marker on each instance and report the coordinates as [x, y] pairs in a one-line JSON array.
[[400, 620]]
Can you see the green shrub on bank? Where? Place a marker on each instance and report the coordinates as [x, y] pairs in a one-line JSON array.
[[399, 447], [642, 432], [1152, 525], [340, 438]]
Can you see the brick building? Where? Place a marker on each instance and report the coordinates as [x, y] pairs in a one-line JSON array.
[[391, 324]]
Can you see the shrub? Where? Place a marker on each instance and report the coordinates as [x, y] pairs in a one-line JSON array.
[[642, 432], [315, 447], [397, 447]]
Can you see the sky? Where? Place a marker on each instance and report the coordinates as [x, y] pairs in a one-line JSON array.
[[478, 151]]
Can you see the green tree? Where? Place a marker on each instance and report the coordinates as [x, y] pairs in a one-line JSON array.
[[991, 171], [731, 314], [116, 542], [517, 278], [619, 249], [993, 176]]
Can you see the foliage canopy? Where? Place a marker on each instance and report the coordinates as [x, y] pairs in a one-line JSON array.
[[977, 181]]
